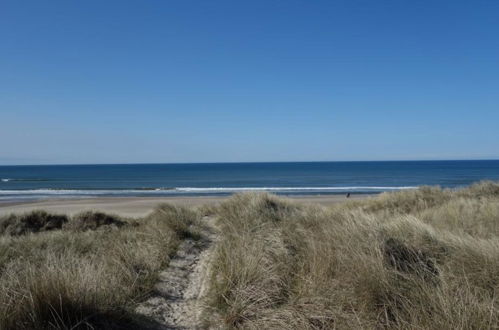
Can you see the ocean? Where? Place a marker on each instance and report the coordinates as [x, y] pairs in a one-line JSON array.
[[303, 178]]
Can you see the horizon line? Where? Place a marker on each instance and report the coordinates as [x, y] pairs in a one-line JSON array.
[[260, 162]]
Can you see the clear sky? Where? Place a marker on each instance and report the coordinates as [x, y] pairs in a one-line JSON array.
[[214, 81]]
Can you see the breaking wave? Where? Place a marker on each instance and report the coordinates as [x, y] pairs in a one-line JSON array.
[[194, 190]]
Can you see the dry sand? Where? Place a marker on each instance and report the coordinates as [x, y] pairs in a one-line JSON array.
[[138, 206], [178, 297]]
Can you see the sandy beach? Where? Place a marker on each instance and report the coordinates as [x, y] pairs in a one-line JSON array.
[[140, 206]]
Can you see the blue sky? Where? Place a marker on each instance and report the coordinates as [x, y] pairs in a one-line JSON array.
[[223, 81]]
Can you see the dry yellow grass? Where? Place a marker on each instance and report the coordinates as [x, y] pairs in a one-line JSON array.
[[422, 259], [86, 272]]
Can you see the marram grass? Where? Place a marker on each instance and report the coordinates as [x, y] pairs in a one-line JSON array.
[[83, 272], [419, 259]]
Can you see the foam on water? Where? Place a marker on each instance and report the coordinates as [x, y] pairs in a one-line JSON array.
[[184, 190]]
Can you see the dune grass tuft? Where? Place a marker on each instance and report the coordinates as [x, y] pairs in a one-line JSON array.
[[419, 259], [91, 220], [88, 271], [31, 222]]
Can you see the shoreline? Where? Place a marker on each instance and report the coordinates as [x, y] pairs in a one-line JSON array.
[[141, 206]]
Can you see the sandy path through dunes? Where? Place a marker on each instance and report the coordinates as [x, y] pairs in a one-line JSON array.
[[176, 302]]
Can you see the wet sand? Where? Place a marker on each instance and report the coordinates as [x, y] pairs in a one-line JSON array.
[[140, 206]]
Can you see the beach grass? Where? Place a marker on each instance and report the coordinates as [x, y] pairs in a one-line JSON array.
[[415, 259], [87, 271]]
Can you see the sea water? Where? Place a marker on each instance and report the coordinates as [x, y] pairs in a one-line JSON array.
[[303, 178]]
